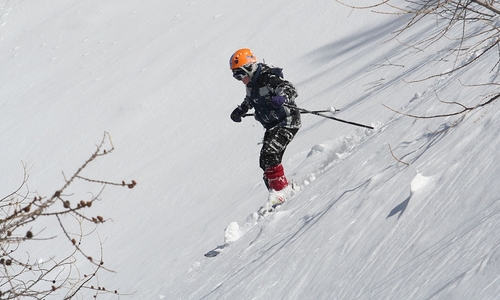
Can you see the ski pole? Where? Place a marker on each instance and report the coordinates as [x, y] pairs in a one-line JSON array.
[[302, 110], [330, 110]]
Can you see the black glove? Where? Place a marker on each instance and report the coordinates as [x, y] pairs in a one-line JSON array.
[[238, 113]]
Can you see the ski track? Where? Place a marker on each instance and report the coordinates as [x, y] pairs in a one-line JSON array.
[[319, 158]]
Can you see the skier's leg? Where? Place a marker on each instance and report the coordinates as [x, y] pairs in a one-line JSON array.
[[275, 177], [275, 142]]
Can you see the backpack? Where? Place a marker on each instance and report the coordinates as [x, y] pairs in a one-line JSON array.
[[276, 71]]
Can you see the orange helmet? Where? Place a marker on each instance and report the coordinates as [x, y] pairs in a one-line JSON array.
[[241, 57]]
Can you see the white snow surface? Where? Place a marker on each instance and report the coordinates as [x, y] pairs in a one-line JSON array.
[[409, 210]]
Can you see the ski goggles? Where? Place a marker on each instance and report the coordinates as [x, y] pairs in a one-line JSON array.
[[239, 74]]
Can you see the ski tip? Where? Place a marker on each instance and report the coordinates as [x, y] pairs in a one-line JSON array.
[[212, 253], [216, 251]]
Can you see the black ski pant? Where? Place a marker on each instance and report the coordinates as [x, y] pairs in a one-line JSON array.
[[275, 142]]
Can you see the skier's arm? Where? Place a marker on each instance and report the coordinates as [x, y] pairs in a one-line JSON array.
[[241, 110], [283, 90]]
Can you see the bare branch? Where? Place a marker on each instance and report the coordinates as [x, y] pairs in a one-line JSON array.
[[464, 109], [487, 5], [392, 153], [476, 20], [21, 277]]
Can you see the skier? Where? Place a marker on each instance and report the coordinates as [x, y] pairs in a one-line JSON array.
[[273, 100]]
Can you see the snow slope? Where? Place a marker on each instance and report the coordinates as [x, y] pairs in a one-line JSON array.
[[154, 74]]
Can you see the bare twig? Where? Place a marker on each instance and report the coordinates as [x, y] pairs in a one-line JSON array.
[[468, 16], [23, 278], [392, 153], [465, 109]]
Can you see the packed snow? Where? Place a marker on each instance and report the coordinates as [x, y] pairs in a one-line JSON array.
[[408, 210]]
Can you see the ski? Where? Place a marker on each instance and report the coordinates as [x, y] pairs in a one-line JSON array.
[[214, 252], [234, 231]]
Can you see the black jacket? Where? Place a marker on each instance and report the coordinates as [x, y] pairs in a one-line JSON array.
[[267, 82]]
